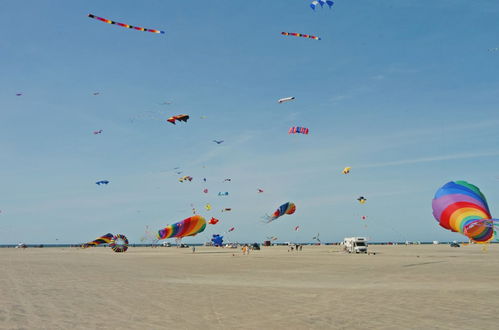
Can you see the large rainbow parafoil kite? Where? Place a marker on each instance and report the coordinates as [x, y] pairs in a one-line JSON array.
[[187, 227], [286, 208], [461, 207]]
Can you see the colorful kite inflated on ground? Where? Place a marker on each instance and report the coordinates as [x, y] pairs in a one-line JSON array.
[[102, 182], [286, 99], [461, 207], [314, 3], [104, 239], [183, 118], [362, 200], [297, 129], [187, 227], [185, 178], [346, 170], [119, 243], [286, 208], [300, 35], [105, 20]]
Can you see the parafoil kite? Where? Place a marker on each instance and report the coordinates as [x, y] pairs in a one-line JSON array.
[[297, 129], [187, 227], [184, 178], [461, 207], [104, 239], [97, 132], [314, 3], [300, 35], [362, 200], [102, 182], [183, 118], [213, 221], [218, 142], [105, 20], [286, 208], [286, 99], [346, 170]]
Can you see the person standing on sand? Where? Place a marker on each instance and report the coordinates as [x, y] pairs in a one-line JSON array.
[[193, 249]]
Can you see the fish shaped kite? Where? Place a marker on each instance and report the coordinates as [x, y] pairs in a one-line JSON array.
[[461, 207], [300, 35], [105, 20], [102, 182], [187, 227], [183, 118], [286, 208], [297, 129], [213, 221], [286, 99]]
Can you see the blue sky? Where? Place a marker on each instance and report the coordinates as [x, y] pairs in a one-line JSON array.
[[403, 91]]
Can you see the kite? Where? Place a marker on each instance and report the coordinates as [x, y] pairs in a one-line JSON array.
[[227, 180], [119, 243], [97, 132], [124, 25], [317, 238], [204, 179], [182, 179], [286, 99], [217, 240], [297, 129], [101, 182], [346, 170], [227, 209], [213, 221], [362, 200], [223, 193], [165, 103], [207, 207], [187, 227], [218, 142], [96, 93], [19, 94], [231, 229], [461, 207], [183, 118], [300, 35], [493, 49], [205, 191], [297, 228], [363, 217], [179, 172], [104, 239], [260, 190], [321, 2], [286, 208]]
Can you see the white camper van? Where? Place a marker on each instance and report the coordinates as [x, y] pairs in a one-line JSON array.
[[355, 244]]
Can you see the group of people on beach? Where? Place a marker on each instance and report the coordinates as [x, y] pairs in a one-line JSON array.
[[298, 247]]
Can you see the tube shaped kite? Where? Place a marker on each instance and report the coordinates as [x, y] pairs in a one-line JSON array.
[[286, 208], [300, 35], [187, 227], [104, 239], [105, 20], [461, 207], [286, 99]]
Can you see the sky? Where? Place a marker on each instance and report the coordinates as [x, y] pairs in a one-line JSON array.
[[405, 92]]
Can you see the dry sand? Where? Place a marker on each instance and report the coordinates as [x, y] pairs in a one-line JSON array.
[[401, 287]]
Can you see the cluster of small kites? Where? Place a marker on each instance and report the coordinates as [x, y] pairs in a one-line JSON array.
[[457, 206]]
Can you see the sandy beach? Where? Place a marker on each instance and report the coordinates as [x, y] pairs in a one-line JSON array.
[[401, 287]]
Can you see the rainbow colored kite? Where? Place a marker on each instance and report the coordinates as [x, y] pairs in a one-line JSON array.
[[286, 208], [104, 239], [187, 227], [297, 129], [461, 207], [105, 20], [300, 35]]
